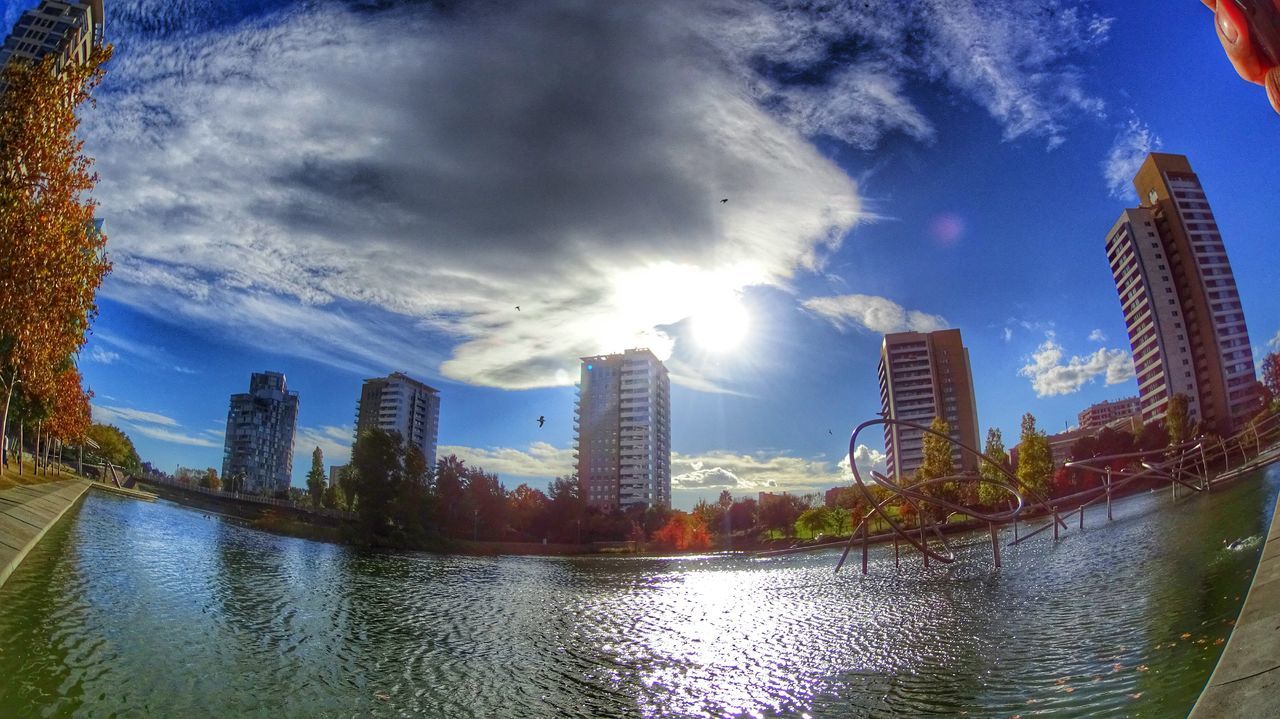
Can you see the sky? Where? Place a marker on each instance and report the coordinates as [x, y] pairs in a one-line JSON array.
[[336, 190]]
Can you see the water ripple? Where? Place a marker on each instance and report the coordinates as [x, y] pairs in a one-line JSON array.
[[136, 609]]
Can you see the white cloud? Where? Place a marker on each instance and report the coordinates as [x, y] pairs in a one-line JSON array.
[[334, 442], [1007, 334], [1126, 155], [1050, 376], [1097, 336], [431, 191], [106, 414], [149, 424], [540, 459], [767, 471], [1274, 343], [173, 436], [103, 356], [877, 314]]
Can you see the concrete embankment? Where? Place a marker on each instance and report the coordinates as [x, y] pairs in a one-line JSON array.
[[26, 513], [1246, 682]]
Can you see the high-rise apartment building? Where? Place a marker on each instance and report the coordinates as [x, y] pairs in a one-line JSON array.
[[1108, 411], [924, 375], [399, 403], [1180, 302], [259, 439], [69, 28], [623, 422]]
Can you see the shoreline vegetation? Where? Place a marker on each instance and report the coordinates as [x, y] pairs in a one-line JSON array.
[[388, 497]]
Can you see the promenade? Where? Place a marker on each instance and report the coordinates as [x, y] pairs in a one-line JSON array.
[[1246, 682], [27, 512]]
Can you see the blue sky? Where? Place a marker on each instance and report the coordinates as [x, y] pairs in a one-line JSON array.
[[336, 190]]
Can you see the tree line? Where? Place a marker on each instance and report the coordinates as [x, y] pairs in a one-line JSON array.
[[52, 253]]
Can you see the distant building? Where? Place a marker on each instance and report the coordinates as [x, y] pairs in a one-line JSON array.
[[1108, 411], [623, 422], [399, 403], [69, 28], [259, 439], [1060, 444], [1180, 302], [335, 471], [924, 375]]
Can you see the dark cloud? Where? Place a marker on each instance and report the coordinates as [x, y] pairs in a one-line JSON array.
[[444, 162]]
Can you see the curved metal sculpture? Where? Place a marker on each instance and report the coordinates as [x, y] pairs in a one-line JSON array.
[[1175, 465], [915, 497]]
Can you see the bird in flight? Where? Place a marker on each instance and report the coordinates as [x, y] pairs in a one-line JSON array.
[[828, 431], [517, 308], [541, 420], [724, 200]]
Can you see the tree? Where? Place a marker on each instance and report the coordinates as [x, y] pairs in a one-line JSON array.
[[937, 463], [743, 515], [780, 512], [1035, 460], [376, 460], [210, 479], [683, 532], [51, 251], [817, 520], [989, 494], [115, 446], [1271, 375], [1175, 419], [315, 478]]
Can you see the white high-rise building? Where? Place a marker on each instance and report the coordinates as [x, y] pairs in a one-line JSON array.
[[399, 403], [1180, 302], [624, 431]]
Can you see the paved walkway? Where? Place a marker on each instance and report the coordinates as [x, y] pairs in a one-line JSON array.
[[26, 513], [1245, 683]]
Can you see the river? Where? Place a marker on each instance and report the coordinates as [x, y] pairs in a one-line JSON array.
[[131, 609]]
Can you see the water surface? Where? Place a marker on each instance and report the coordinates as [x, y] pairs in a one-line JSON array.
[[154, 610]]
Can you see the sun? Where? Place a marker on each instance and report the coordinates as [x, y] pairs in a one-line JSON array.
[[721, 323]]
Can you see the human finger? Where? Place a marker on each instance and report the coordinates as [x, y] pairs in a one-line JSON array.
[[1233, 32]]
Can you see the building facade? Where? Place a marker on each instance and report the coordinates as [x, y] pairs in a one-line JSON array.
[[69, 28], [1107, 411], [924, 375], [335, 473], [259, 441], [623, 423], [1180, 302], [399, 403]]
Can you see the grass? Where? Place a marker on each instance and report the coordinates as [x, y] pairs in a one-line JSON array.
[[29, 476]]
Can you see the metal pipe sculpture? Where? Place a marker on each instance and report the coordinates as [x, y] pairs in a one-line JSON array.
[[1169, 464]]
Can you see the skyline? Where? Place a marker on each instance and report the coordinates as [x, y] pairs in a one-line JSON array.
[[899, 194]]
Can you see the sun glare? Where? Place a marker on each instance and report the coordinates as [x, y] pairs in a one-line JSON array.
[[721, 324]]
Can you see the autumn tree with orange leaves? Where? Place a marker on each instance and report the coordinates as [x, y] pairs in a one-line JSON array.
[[52, 256]]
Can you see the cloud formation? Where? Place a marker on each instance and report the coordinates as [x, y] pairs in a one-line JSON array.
[[151, 424], [1097, 336], [413, 175], [334, 442], [1051, 377], [877, 314], [539, 459], [1126, 156]]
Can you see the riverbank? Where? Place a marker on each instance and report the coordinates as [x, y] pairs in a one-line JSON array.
[[27, 512], [1245, 682]]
